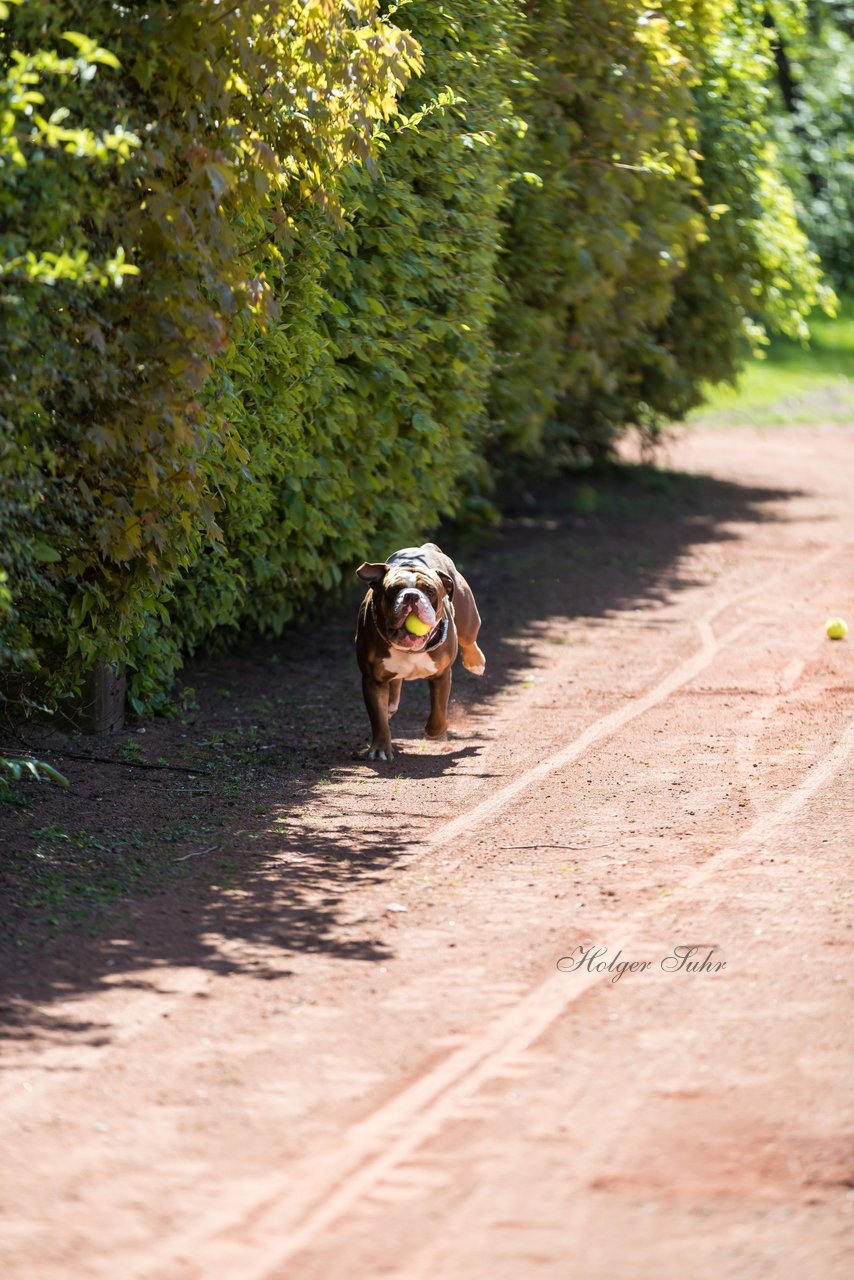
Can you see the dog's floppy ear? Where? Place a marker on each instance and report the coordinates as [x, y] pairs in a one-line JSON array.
[[448, 583], [372, 572]]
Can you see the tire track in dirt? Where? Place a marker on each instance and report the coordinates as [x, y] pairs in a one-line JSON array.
[[380, 1144]]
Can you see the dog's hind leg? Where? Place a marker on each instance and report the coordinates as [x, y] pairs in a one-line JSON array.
[[467, 620], [473, 658]]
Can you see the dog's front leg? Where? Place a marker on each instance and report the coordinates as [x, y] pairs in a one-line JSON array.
[[440, 692], [376, 701], [394, 689]]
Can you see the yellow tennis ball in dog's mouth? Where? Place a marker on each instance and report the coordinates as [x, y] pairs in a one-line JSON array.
[[415, 626], [836, 628]]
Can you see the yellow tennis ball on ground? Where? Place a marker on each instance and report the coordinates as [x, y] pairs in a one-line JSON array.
[[415, 626], [836, 628]]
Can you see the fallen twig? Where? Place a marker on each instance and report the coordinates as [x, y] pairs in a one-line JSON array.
[[184, 856], [601, 845]]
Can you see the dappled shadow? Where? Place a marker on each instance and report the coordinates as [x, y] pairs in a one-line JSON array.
[[235, 859], [20, 1021]]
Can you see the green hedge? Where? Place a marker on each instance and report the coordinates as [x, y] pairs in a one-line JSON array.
[[284, 283], [815, 122], [602, 220], [649, 139], [753, 267]]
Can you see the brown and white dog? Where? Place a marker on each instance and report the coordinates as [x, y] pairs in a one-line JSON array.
[[425, 582]]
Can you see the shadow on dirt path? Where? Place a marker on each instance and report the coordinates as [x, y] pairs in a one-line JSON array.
[[236, 852]]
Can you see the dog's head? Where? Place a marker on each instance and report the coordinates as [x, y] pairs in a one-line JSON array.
[[403, 589]]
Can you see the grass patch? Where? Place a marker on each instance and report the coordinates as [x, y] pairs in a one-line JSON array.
[[793, 383], [68, 879]]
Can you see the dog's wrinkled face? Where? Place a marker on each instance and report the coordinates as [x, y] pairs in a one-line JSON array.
[[402, 590]]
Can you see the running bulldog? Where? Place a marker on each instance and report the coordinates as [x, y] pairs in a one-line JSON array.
[[418, 611]]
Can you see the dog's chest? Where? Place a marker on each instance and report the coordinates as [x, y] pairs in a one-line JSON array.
[[405, 665]]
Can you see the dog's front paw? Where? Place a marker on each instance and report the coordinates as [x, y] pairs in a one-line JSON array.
[[375, 752]]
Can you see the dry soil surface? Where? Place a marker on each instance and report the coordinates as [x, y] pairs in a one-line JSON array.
[[394, 1033]]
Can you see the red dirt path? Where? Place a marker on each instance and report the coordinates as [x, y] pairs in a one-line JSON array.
[[353, 1054]]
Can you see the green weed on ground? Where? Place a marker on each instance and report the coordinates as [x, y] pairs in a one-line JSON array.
[[67, 879], [792, 383]]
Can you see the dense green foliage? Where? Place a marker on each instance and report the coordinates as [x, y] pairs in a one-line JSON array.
[[602, 217], [753, 266], [650, 135], [283, 283]]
